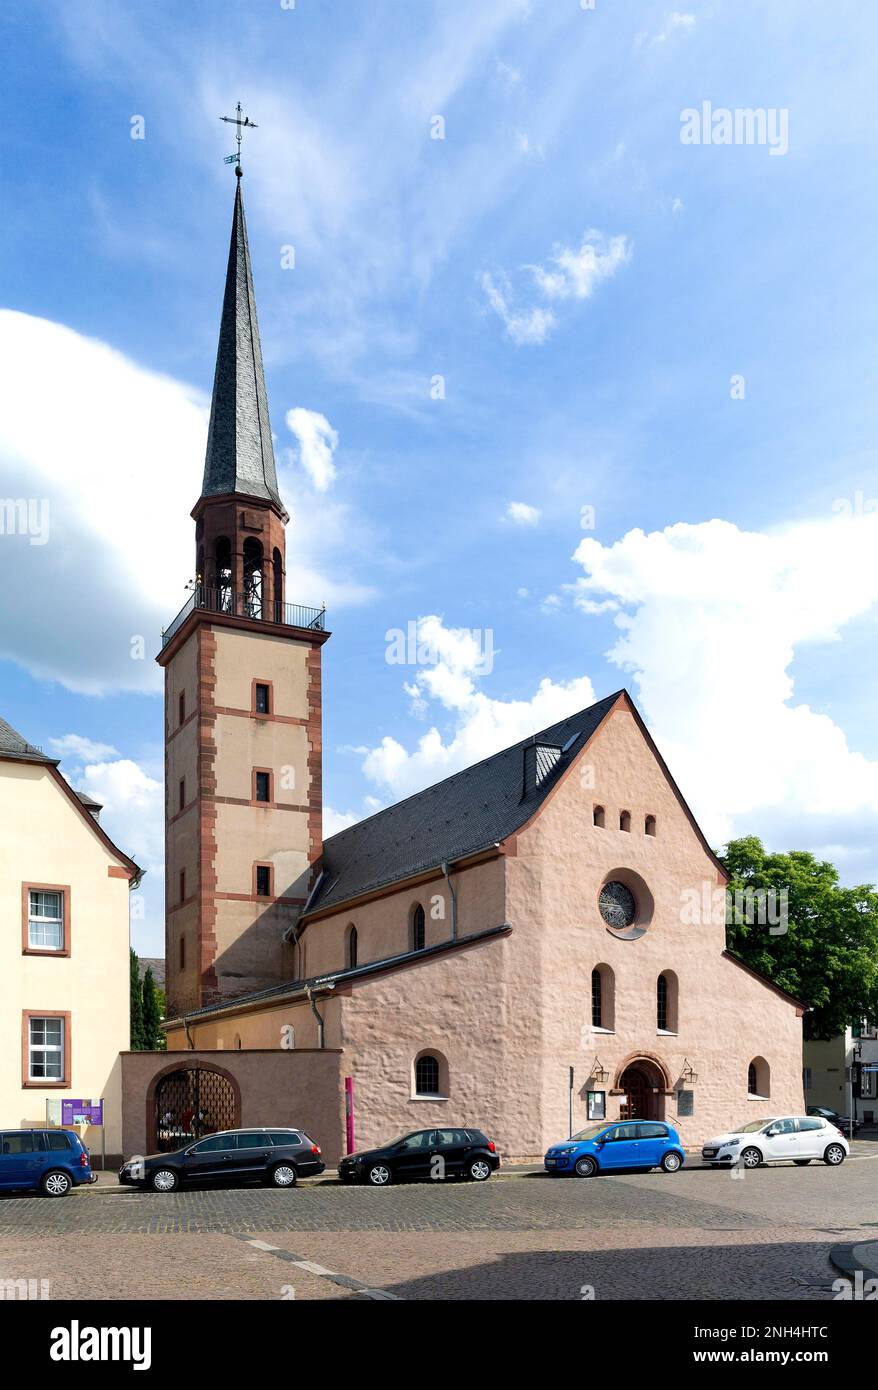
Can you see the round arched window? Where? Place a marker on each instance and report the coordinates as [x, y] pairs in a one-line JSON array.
[[617, 905]]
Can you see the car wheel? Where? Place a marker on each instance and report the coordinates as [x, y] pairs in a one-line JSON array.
[[56, 1184], [751, 1158], [164, 1180], [671, 1162], [283, 1175], [801, 1162], [378, 1175], [585, 1167], [479, 1170], [834, 1155]]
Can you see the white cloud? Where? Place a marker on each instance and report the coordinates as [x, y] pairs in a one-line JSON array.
[[575, 271], [317, 444], [479, 725], [572, 272], [76, 746], [533, 326], [710, 619], [110, 455], [677, 22], [333, 821], [523, 514]]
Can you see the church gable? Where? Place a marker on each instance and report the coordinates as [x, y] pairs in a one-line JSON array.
[[618, 783]]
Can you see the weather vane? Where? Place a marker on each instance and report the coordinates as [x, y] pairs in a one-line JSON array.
[[239, 121]]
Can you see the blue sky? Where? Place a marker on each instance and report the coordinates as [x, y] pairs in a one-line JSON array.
[[586, 285]]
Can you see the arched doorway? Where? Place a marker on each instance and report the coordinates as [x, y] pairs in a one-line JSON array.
[[192, 1102], [642, 1086]]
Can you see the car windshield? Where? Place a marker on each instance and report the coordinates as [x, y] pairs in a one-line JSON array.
[[591, 1133], [752, 1127]]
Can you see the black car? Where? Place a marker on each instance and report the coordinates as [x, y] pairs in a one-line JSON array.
[[275, 1156], [425, 1153], [841, 1122]]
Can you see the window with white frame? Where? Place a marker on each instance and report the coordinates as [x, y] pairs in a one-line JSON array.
[[45, 1049], [45, 920]]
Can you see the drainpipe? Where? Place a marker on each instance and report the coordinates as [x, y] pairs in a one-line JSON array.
[[321, 1026], [188, 1034], [453, 900]]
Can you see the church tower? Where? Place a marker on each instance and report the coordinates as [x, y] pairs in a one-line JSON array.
[[243, 793]]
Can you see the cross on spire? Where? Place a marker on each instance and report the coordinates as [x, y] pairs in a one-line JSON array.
[[239, 121]]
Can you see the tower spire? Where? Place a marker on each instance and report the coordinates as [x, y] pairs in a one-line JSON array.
[[240, 457]]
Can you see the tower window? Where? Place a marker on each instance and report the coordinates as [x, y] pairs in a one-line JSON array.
[[262, 698], [182, 792], [599, 816], [182, 705], [263, 880], [262, 786], [625, 820], [182, 885], [649, 825], [182, 953], [352, 948]]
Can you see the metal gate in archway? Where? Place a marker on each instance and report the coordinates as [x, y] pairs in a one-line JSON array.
[[191, 1103]]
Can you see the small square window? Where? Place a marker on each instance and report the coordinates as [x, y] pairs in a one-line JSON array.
[[262, 699], [263, 786], [263, 881], [45, 925], [46, 1049]]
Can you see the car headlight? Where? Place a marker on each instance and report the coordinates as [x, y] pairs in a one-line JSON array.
[[731, 1144], [559, 1152]]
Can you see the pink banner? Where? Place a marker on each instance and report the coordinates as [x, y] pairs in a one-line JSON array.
[[349, 1113]]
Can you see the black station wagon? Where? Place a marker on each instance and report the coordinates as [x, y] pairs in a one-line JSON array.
[[275, 1156]]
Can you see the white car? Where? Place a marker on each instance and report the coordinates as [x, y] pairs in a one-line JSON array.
[[795, 1138]]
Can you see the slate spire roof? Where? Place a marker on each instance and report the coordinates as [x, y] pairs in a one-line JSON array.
[[240, 457]]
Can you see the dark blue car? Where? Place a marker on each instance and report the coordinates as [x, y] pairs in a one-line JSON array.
[[609, 1147], [46, 1160]]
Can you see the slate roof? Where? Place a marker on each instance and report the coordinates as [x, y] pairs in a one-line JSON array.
[[12, 744], [470, 811], [240, 457]]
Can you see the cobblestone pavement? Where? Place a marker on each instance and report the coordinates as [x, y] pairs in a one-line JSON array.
[[696, 1234]]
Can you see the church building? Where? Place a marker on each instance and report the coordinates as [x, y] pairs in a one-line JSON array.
[[519, 947]]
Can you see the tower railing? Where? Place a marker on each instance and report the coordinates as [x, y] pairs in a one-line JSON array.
[[250, 604]]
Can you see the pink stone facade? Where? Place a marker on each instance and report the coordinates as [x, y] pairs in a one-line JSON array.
[[508, 1016]]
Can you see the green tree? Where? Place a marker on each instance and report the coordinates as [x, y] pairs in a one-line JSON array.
[[825, 952], [152, 1034], [138, 1040]]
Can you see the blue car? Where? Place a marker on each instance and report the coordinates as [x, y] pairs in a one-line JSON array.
[[607, 1148], [50, 1161]]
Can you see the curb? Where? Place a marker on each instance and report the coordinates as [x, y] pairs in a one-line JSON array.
[[860, 1257]]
